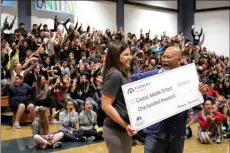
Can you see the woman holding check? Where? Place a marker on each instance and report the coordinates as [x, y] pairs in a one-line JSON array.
[[117, 130]]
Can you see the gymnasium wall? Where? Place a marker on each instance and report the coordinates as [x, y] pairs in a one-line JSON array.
[[100, 15], [215, 26], [155, 20], [211, 4], [166, 4], [10, 12]]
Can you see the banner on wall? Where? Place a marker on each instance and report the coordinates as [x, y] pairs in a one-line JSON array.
[[61, 6], [8, 3]]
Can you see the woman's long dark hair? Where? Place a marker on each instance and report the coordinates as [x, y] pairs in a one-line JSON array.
[[39, 86], [113, 57]]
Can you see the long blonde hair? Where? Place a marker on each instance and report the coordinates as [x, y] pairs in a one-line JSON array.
[[44, 122], [225, 107]]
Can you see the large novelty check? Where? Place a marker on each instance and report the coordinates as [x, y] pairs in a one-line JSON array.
[[158, 97]]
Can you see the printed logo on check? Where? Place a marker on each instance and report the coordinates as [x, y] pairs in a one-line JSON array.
[[130, 90], [139, 121]]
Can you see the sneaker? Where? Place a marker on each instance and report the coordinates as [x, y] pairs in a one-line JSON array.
[[134, 143], [16, 125], [99, 130], [54, 121], [91, 139], [228, 135], [218, 141], [82, 139], [210, 141], [43, 146], [57, 144]]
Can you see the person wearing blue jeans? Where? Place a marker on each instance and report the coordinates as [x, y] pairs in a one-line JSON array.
[[167, 144], [97, 94], [166, 136]]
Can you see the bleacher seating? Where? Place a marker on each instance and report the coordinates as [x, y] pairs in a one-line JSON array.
[[26, 118]]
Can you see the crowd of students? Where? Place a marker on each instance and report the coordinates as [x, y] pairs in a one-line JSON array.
[[60, 70]]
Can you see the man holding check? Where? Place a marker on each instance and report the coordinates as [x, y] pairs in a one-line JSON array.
[[167, 136]]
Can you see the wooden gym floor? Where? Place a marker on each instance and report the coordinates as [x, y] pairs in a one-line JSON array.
[[20, 141]]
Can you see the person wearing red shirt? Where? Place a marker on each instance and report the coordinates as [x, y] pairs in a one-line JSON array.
[[210, 124], [211, 92], [59, 90]]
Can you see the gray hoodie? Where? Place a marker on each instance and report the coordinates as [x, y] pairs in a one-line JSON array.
[[68, 121], [88, 121], [36, 127]]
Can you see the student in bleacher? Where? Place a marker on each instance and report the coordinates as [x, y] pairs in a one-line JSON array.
[[40, 128], [20, 100], [75, 93], [190, 121], [44, 97], [7, 26], [196, 35], [17, 69], [59, 89], [88, 90], [210, 124], [88, 122], [211, 92]]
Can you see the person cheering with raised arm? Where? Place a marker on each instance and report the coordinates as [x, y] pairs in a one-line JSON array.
[[210, 124]]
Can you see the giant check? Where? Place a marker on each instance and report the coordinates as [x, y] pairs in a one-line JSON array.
[[158, 97]]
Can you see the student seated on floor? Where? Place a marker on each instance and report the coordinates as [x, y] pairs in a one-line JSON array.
[[20, 99], [223, 107], [40, 128], [88, 122], [68, 121], [210, 124], [190, 121]]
